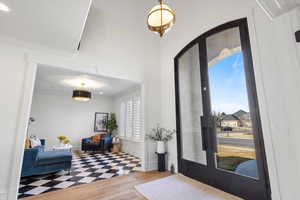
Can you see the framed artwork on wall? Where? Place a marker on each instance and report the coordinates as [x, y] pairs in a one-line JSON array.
[[100, 124]]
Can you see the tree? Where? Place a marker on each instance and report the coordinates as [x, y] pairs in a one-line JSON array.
[[219, 118], [112, 124]]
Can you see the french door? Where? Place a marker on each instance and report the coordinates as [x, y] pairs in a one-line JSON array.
[[220, 138]]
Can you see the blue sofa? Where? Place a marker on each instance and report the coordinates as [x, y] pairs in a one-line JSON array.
[[36, 161]]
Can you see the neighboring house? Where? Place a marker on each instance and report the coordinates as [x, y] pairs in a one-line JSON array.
[[244, 118], [231, 121], [238, 119]]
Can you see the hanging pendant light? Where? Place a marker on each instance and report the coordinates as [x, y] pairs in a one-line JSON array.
[[81, 95], [161, 18]]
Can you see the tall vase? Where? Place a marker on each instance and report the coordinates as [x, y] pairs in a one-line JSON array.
[[160, 147]]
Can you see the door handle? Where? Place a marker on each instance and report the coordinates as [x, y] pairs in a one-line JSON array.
[[214, 145], [203, 133], [208, 132]]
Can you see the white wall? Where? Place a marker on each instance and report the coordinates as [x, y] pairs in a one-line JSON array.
[[12, 75], [61, 115], [116, 43], [277, 77], [133, 147]]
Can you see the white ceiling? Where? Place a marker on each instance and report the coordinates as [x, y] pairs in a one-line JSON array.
[[53, 23], [51, 80]]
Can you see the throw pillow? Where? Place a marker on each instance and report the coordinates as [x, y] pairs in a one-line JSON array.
[[27, 143], [99, 136], [35, 142], [96, 138]]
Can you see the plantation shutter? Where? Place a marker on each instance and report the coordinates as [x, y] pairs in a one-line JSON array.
[[122, 119], [137, 122], [129, 118]]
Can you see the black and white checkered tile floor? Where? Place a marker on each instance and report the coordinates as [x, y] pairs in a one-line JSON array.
[[86, 168]]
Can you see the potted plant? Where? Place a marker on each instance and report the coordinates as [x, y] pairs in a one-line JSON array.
[[112, 124], [161, 136]]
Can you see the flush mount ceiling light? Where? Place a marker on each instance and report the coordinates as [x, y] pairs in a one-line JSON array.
[[81, 95], [161, 18], [4, 7]]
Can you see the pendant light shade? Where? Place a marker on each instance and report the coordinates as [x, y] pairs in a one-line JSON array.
[[161, 18], [81, 95]]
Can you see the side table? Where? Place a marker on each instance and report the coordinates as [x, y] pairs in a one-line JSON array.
[[161, 161], [116, 148]]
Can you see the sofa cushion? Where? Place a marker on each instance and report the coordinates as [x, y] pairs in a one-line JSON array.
[[51, 157], [87, 140], [35, 142], [107, 139], [39, 148]]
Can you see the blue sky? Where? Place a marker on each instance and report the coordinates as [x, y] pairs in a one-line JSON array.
[[228, 85]]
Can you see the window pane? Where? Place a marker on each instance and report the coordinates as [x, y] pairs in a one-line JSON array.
[[191, 106], [229, 100]]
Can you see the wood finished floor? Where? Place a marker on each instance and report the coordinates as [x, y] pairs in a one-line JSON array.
[[117, 188]]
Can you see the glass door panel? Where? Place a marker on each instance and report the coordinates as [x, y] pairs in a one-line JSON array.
[[189, 83], [219, 135], [229, 104]]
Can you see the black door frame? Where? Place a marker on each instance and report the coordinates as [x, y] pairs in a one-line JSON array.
[[245, 187]]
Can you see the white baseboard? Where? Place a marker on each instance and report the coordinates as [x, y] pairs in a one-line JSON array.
[[13, 193], [150, 166], [3, 196]]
